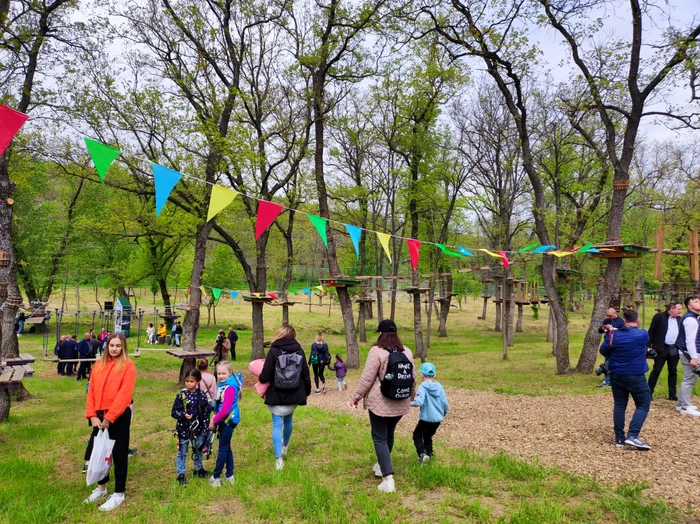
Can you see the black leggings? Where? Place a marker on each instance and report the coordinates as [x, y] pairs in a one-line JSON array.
[[119, 432], [423, 437], [318, 373], [383, 437]]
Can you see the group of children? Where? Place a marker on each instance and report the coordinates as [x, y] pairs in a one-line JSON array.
[[202, 396]]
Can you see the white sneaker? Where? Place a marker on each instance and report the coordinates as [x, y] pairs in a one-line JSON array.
[[679, 408], [113, 502], [284, 449], [387, 485], [279, 463], [377, 470], [691, 411], [230, 479], [216, 483], [97, 494]]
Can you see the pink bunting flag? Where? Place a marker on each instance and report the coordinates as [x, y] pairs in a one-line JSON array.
[[267, 212], [414, 250], [504, 259], [10, 123]]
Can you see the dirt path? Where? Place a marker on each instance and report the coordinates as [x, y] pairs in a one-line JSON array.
[[572, 432]]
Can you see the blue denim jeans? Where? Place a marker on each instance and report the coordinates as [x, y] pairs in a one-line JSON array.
[[280, 438], [341, 383], [622, 387], [182, 450], [225, 456]]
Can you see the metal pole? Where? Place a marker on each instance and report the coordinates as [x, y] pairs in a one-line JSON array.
[[504, 316], [138, 338], [94, 313], [77, 322]]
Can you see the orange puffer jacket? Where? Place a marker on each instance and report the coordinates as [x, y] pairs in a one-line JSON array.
[[110, 390]]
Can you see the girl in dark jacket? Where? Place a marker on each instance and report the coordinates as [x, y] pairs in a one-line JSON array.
[[320, 358], [282, 401]]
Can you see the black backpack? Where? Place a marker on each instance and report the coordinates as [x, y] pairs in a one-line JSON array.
[[288, 370], [398, 380]]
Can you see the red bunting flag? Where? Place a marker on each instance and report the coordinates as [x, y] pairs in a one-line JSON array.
[[504, 259], [10, 123], [267, 212], [414, 250], [273, 295]]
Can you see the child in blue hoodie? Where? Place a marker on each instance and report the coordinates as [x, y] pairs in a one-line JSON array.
[[227, 416], [432, 401]]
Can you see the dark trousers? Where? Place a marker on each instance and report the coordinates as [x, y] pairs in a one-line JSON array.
[[233, 351], [318, 373], [119, 432], [225, 456], [659, 362], [622, 387], [83, 370], [383, 437], [423, 437], [61, 368], [69, 368]]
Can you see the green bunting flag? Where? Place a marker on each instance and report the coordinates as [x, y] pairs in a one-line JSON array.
[[528, 248], [102, 156], [216, 292], [444, 249], [320, 225]]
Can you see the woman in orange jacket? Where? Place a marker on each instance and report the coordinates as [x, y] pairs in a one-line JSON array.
[[108, 407]]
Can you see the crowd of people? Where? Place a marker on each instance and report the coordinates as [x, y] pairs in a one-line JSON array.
[[207, 408], [672, 338], [76, 355]]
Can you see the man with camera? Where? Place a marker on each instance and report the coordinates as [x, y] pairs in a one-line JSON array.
[[689, 347], [625, 350], [221, 347], [611, 323], [663, 334]]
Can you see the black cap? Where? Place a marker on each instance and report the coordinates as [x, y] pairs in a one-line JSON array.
[[386, 326]]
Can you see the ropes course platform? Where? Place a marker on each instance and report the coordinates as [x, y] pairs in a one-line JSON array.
[[197, 353]]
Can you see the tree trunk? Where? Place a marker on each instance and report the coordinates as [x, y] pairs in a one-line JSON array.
[[5, 404], [417, 322], [606, 288], [519, 324], [558, 313], [499, 314], [483, 311], [258, 341], [190, 325], [361, 323]]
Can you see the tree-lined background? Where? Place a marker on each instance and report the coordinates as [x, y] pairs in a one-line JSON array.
[[485, 124]]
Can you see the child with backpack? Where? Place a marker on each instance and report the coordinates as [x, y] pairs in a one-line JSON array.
[[226, 419], [208, 382], [432, 401], [191, 410], [287, 373], [340, 372], [319, 358]]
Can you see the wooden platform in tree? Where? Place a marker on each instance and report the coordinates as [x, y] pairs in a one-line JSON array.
[[13, 370], [197, 353], [413, 290], [341, 281], [620, 251], [265, 299], [23, 358]]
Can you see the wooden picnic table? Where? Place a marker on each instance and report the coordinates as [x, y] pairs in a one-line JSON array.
[[13, 370], [197, 353]]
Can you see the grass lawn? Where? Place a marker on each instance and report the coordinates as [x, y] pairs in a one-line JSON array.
[[328, 476]]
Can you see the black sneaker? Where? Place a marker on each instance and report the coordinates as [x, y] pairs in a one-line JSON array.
[[673, 397], [202, 473], [181, 479], [85, 468], [133, 451]]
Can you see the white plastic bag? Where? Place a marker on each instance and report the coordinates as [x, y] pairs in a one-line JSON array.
[[101, 457]]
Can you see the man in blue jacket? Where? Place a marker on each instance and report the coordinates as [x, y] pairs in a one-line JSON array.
[[611, 323], [625, 350]]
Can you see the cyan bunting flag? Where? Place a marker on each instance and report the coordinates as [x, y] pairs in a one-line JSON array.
[[306, 291], [164, 180], [465, 251], [355, 234], [528, 248], [234, 296], [543, 249]]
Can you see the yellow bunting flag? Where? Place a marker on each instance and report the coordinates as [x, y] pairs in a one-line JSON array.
[[495, 255], [201, 288], [384, 241], [320, 288], [560, 254], [257, 295], [220, 198]]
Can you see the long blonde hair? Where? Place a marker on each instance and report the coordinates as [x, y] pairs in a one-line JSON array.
[[286, 331], [121, 359], [319, 338]]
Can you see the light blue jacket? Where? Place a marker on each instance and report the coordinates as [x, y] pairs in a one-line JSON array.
[[432, 401]]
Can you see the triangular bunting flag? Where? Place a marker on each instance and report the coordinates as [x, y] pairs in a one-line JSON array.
[[201, 288], [543, 249], [465, 251], [267, 212], [414, 251], [257, 295], [306, 291], [528, 248], [220, 198], [320, 225], [102, 156], [216, 292], [273, 295], [320, 288], [355, 234], [495, 255], [384, 241], [10, 123], [585, 248], [504, 259], [234, 295], [560, 254], [446, 251], [165, 180]]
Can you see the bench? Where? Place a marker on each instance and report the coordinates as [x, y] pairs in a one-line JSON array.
[[11, 376], [23, 358], [197, 353]]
